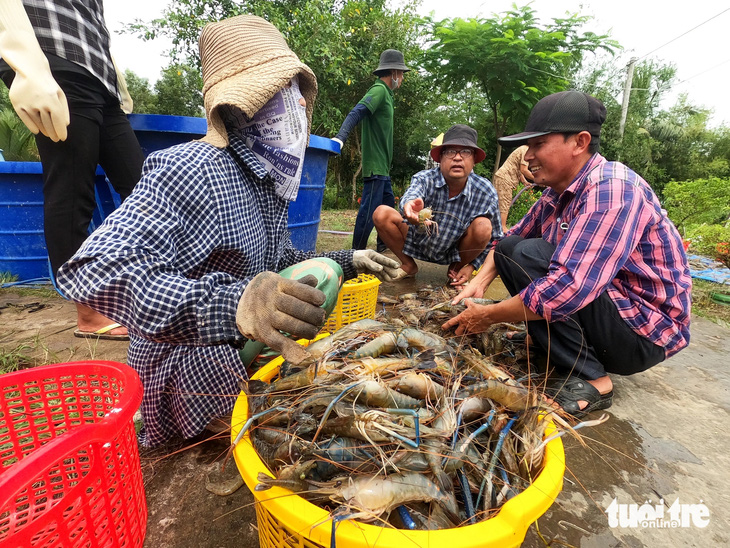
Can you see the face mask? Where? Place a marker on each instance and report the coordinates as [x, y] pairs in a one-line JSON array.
[[277, 134], [396, 82]]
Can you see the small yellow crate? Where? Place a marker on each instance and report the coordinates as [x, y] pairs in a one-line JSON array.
[[286, 520], [357, 300]]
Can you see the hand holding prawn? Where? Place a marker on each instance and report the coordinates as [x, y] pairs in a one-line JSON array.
[[411, 209], [475, 319]]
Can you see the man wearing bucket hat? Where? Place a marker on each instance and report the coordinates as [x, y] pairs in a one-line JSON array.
[[465, 211], [66, 89], [375, 110], [189, 261], [595, 266]]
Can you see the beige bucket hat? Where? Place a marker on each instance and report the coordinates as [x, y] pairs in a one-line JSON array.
[[245, 62]]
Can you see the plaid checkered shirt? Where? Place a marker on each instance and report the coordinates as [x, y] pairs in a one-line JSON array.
[[453, 215], [171, 264], [612, 235], [75, 30]]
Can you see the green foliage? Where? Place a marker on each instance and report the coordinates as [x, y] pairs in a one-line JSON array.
[[179, 91], [661, 145], [704, 238], [13, 359], [16, 140], [696, 202], [512, 58], [522, 205], [145, 101]]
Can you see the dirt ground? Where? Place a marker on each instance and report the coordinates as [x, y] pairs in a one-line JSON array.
[[666, 439]]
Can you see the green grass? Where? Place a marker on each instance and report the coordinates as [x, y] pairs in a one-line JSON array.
[[13, 359], [7, 277], [703, 305]]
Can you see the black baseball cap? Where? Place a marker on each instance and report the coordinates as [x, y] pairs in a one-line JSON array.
[[562, 112]]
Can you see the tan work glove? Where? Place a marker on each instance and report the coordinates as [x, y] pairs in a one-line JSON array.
[[35, 95], [271, 304], [368, 261]]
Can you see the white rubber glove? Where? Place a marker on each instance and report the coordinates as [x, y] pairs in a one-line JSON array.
[[336, 140], [35, 95], [271, 304], [369, 261]]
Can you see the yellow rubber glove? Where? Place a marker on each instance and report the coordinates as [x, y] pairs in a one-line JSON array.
[[127, 104], [35, 95]]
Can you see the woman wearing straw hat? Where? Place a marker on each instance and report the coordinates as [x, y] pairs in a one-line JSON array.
[[375, 110], [189, 261]]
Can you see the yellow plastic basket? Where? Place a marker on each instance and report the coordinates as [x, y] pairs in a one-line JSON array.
[[286, 520], [357, 300]]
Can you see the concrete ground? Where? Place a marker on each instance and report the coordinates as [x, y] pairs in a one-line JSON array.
[[666, 439]]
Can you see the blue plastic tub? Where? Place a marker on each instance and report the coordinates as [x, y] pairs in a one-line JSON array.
[[22, 244], [304, 212], [23, 250], [159, 131]]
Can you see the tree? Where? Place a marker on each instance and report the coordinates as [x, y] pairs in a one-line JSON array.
[[513, 59], [179, 91], [144, 99], [698, 201]]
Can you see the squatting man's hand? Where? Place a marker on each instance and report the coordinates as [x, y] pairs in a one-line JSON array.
[[368, 261], [271, 304], [411, 209]]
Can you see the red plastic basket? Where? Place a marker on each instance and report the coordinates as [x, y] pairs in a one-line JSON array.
[[70, 473]]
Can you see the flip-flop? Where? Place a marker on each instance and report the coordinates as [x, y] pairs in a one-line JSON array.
[[568, 391], [102, 333]]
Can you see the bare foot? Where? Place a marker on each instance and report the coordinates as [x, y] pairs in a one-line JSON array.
[[89, 321]]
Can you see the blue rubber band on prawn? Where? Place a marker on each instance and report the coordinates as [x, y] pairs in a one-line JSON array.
[[495, 456], [406, 518], [330, 406], [471, 436], [511, 492], [468, 502], [414, 413], [250, 421]]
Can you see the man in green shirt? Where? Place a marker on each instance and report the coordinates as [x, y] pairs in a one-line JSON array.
[[375, 110]]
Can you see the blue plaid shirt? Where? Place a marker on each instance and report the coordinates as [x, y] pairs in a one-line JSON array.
[[171, 264], [478, 199]]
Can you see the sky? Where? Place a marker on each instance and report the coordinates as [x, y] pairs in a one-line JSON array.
[[661, 30]]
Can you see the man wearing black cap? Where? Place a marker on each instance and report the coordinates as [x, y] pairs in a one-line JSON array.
[[375, 110], [464, 207], [595, 267]]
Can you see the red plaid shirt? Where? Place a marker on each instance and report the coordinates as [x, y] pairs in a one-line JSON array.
[[611, 234]]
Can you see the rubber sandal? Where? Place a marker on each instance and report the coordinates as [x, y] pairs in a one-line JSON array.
[[568, 391], [516, 337], [102, 333]]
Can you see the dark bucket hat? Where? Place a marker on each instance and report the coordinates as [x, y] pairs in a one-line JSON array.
[[391, 59], [562, 112], [459, 135]]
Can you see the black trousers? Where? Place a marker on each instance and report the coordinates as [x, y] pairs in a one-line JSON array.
[[593, 341], [99, 133]]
